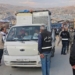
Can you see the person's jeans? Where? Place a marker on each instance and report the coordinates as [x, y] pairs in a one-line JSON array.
[[46, 64], [64, 47]]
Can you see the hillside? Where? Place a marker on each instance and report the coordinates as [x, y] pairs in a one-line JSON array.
[[57, 13], [11, 8]]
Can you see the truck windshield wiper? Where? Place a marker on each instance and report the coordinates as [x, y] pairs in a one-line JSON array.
[[25, 40], [11, 40]]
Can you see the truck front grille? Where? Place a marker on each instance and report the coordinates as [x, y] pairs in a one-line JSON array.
[[23, 62]]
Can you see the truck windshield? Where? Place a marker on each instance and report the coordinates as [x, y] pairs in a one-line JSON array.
[[23, 33]]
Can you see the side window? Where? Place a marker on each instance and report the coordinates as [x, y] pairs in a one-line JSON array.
[[12, 33], [36, 32]]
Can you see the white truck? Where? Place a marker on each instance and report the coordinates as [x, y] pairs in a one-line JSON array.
[[21, 45]]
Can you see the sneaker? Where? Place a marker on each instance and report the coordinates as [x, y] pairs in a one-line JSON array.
[[61, 53], [64, 53]]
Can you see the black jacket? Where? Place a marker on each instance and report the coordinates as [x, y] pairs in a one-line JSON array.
[[72, 54], [65, 35], [46, 42]]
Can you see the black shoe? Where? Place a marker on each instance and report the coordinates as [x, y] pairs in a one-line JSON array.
[[61, 53], [64, 53]]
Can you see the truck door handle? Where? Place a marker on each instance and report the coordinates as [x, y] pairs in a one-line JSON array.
[[22, 50]]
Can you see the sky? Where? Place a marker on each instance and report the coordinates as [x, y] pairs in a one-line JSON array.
[[40, 3]]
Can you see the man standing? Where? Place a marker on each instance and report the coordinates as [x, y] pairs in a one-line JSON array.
[[2, 39], [65, 40], [44, 47]]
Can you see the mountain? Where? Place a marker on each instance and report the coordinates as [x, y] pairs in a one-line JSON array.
[[11, 8], [58, 13]]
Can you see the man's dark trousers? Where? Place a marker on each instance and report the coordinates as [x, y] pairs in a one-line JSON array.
[[1, 54], [64, 47], [73, 71]]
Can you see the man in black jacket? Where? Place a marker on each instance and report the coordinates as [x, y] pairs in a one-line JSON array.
[[44, 48], [72, 56], [65, 36]]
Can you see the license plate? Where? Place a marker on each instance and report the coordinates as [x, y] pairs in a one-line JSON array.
[[22, 60]]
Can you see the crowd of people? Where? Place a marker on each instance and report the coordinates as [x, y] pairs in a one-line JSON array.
[[66, 36]]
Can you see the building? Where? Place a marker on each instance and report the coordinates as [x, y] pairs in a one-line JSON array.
[[11, 19]]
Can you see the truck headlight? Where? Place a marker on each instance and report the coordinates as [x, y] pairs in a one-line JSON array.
[[39, 62], [5, 51]]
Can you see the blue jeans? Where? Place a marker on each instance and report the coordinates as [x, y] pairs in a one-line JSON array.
[[46, 64], [64, 47]]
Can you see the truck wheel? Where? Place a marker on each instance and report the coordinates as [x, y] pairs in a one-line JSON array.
[[14, 67]]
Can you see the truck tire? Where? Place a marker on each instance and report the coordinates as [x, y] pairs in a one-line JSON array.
[[14, 67]]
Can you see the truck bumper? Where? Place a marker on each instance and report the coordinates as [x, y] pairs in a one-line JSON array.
[[22, 61]]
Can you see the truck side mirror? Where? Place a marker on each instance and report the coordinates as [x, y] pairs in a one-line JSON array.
[[53, 35]]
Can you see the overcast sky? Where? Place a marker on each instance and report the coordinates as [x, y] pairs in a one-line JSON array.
[[40, 3]]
